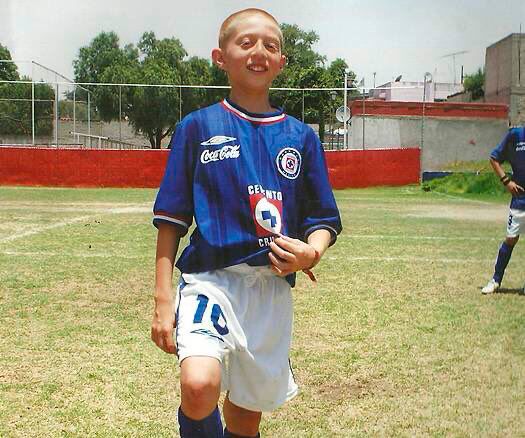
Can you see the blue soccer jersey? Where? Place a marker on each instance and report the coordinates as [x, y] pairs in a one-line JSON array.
[[512, 150], [244, 178]]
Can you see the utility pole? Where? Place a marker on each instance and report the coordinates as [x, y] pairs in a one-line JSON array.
[[453, 56]]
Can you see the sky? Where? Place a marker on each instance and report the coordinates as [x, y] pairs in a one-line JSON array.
[[385, 37]]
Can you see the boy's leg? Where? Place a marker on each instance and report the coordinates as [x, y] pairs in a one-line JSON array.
[[239, 421], [200, 382], [514, 225], [504, 254]]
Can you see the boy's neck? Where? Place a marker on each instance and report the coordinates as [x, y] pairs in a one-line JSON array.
[[257, 103]]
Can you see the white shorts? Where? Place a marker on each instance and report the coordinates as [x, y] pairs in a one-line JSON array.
[[516, 222], [242, 316]]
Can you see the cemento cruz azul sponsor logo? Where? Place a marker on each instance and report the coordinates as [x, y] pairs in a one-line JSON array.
[[520, 146], [224, 153]]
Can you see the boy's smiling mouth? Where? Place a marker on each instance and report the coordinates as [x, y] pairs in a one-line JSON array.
[[257, 68]]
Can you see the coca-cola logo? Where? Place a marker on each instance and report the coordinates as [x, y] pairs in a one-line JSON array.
[[224, 153]]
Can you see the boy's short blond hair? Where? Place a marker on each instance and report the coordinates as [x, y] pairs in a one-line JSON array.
[[227, 25]]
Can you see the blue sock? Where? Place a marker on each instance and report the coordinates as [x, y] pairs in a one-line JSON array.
[[505, 251], [209, 427], [228, 434]]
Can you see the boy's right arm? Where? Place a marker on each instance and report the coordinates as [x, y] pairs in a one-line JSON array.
[[513, 188], [163, 323]]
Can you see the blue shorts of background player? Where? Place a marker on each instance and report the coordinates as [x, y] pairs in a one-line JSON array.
[[512, 150], [255, 182]]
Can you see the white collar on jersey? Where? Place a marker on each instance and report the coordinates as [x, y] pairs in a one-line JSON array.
[[251, 117]]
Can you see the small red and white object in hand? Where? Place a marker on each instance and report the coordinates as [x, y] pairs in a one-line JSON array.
[[290, 255]]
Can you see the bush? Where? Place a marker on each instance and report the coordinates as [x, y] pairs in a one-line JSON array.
[[461, 183]]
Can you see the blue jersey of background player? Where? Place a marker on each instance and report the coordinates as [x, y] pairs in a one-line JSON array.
[[255, 182], [512, 150]]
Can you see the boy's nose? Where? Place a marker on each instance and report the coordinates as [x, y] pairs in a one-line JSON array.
[[258, 48]]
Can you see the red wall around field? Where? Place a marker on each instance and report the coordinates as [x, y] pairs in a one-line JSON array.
[[373, 167], [30, 166]]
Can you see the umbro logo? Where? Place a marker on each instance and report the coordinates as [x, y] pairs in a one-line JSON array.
[[217, 140], [207, 332]]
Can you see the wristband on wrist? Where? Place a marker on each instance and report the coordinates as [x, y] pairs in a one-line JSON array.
[[505, 180]]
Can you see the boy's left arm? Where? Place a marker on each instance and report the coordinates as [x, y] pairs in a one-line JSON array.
[[291, 255], [320, 222]]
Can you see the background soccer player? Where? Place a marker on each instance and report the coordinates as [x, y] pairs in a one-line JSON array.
[[512, 150]]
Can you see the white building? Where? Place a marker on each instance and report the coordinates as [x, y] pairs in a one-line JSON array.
[[413, 91]]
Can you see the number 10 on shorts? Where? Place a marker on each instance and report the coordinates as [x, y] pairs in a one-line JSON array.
[[216, 313]]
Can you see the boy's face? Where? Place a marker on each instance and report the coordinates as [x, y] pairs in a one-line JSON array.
[[251, 55]]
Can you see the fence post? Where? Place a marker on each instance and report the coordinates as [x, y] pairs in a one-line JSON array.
[[32, 103], [89, 113], [302, 109], [74, 110], [345, 103], [428, 77], [120, 112], [364, 118], [180, 104], [56, 111]]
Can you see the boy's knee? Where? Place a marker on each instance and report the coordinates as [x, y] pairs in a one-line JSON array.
[[197, 387], [200, 383], [511, 241]]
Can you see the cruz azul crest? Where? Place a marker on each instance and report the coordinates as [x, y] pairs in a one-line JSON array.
[[289, 163]]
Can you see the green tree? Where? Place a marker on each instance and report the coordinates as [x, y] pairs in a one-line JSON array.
[[15, 102], [152, 111], [474, 84], [305, 68], [8, 70]]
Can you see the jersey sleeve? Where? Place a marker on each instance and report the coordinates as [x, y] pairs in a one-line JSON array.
[[500, 151], [319, 210], [174, 202]]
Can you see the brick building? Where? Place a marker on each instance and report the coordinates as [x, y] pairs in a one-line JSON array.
[[505, 75]]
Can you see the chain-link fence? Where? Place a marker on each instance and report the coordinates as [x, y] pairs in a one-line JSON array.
[[54, 111]]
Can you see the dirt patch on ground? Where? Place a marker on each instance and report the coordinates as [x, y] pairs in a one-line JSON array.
[[472, 212], [353, 388]]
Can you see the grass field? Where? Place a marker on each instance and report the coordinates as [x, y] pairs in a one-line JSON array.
[[396, 340]]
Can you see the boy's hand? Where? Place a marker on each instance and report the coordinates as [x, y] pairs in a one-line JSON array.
[[163, 324], [515, 189], [290, 255]]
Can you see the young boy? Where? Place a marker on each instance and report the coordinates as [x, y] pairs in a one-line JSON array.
[[255, 181], [511, 149]]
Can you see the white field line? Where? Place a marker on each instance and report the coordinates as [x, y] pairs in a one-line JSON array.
[[351, 259], [400, 237], [87, 254], [411, 199], [37, 230], [381, 200], [459, 198], [44, 228], [78, 208], [410, 259]]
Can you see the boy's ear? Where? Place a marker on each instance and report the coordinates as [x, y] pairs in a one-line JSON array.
[[282, 62], [218, 58]]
